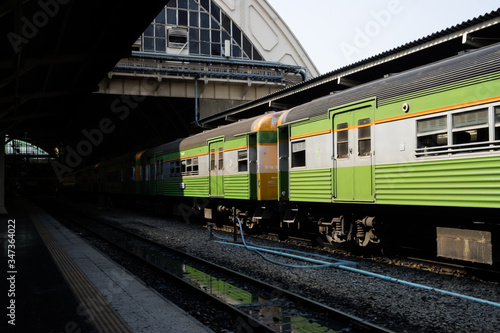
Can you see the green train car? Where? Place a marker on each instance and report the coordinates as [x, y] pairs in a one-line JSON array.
[[231, 165], [424, 143], [220, 163], [412, 158]]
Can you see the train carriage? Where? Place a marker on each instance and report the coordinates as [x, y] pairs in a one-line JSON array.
[[234, 162], [84, 179], [429, 137], [116, 176]]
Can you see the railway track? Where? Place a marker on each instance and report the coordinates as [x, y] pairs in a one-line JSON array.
[[486, 274], [255, 306], [403, 258]]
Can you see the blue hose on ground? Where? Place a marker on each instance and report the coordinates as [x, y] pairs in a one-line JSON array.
[[278, 251], [219, 237], [417, 285], [342, 265], [296, 251]]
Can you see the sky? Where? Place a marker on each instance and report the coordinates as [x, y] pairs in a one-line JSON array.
[[336, 33]]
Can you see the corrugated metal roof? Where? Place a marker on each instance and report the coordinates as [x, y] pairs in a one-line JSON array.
[[418, 42]]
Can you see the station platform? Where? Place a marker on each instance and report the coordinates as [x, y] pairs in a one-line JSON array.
[[55, 282]]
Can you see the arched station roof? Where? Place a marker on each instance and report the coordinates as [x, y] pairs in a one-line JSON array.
[[56, 55], [201, 27]]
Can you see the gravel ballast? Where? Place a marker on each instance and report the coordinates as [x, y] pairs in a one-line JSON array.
[[391, 305]]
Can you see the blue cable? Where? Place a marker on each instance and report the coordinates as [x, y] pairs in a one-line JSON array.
[[339, 262]]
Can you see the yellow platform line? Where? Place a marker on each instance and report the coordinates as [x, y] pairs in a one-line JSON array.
[[98, 310]]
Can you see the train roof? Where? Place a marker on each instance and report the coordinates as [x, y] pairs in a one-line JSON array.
[[388, 90], [255, 124]]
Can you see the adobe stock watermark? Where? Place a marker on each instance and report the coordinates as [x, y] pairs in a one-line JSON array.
[[94, 137], [186, 211], [30, 26], [381, 19]]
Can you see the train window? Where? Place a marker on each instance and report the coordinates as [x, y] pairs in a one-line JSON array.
[[177, 168], [342, 141], [189, 166], [470, 118], [166, 169], [172, 169], [497, 123], [221, 158], [364, 137], [183, 168], [212, 159], [152, 172], [431, 124], [497, 115], [195, 166], [470, 127], [299, 154], [432, 132], [242, 161]]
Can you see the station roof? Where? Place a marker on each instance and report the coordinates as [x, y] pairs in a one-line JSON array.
[[54, 52], [471, 34]]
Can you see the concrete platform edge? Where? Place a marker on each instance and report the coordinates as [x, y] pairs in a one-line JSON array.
[[143, 309]]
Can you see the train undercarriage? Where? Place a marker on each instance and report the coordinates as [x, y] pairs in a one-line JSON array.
[[300, 221], [458, 234]]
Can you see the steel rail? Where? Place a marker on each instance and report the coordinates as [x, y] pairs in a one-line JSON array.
[[334, 314], [253, 323]]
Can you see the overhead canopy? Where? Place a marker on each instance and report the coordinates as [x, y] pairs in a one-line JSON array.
[[54, 52]]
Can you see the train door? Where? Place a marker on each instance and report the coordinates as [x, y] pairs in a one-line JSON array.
[[252, 162], [353, 154], [216, 149]]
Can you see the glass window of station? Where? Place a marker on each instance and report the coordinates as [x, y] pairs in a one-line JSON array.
[[196, 27]]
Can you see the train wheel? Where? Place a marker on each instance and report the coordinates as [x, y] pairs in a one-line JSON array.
[[365, 231]]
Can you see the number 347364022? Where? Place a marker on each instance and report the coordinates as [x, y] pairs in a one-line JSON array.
[[12, 243]]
